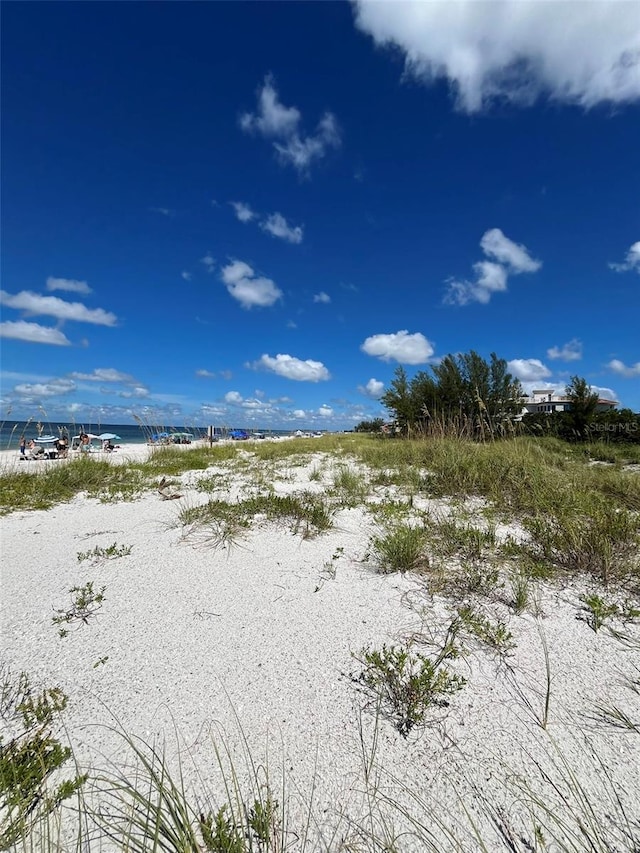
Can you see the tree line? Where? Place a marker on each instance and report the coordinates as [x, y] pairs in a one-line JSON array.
[[468, 396]]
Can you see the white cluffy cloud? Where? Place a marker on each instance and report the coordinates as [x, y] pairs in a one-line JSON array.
[[528, 369], [514, 50], [571, 351], [243, 211], [282, 125], [322, 297], [68, 284], [293, 368], [35, 304], [621, 368], [325, 411], [631, 261], [33, 333], [400, 346], [506, 257], [276, 225], [250, 290], [374, 389]]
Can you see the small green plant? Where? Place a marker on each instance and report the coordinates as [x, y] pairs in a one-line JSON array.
[[111, 552], [329, 568], [401, 549], [520, 590], [598, 611], [220, 834], [85, 603], [407, 685], [493, 634], [101, 661], [263, 821]]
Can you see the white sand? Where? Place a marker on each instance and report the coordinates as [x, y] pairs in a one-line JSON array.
[[195, 635]]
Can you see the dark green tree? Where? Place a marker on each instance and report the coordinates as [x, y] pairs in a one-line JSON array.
[[399, 400], [369, 426], [584, 402]]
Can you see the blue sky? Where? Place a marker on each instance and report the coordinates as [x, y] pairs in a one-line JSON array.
[[251, 213]]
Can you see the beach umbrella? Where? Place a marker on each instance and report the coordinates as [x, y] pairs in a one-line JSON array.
[[109, 436], [45, 439]]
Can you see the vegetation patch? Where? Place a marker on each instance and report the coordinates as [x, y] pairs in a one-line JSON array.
[[306, 513], [400, 549], [99, 554], [30, 758], [601, 540]]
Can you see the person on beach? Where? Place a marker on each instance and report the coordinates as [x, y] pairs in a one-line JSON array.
[[85, 442], [35, 451], [23, 446]]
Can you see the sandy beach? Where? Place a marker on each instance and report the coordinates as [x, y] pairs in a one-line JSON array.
[[259, 639]]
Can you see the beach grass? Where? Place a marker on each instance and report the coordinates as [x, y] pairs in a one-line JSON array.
[[579, 522]]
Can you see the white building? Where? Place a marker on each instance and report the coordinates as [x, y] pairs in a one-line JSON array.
[[549, 401]]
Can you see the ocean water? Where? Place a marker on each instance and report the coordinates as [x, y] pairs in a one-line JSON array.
[[11, 431]]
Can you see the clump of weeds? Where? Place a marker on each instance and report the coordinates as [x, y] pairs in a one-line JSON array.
[[85, 603], [407, 685]]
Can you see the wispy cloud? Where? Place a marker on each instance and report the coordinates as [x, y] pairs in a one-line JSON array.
[[53, 306], [247, 288], [163, 211], [205, 374], [322, 297], [187, 276], [399, 346], [276, 225], [281, 125], [243, 211], [104, 374], [621, 368], [138, 391], [68, 284], [33, 333], [571, 351], [506, 258], [578, 53], [209, 262], [631, 261], [293, 368], [53, 388]]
